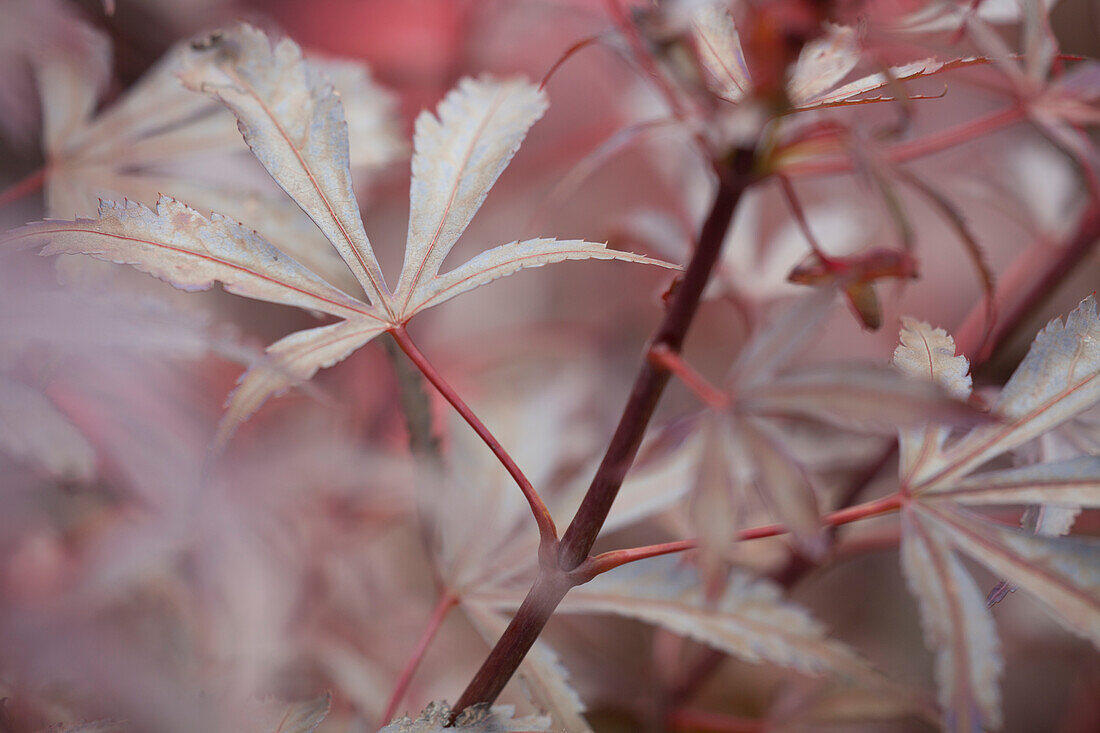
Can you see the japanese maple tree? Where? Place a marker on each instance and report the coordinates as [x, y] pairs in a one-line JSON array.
[[526, 516]]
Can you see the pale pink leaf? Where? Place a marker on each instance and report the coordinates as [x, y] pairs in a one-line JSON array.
[[375, 135], [181, 246], [291, 360], [294, 122], [506, 259], [957, 626], [1057, 380], [655, 483], [950, 15], [1061, 573], [70, 78], [720, 492], [874, 82], [1050, 519], [1070, 483], [823, 63], [458, 156], [155, 119], [926, 354], [719, 48], [277, 219]]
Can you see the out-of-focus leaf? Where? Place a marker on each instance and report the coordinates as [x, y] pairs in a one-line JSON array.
[[96, 726], [719, 48], [823, 63], [33, 429], [774, 345], [136, 147], [816, 76], [949, 15], [298, 717], [751, 620], [784, 485], [479, 719], [857, 396]]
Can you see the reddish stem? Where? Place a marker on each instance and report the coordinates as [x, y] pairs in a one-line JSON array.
[[569, 52], [667, 359], [1021, 276], [446, 602], [903, 152], [800, 218], [609, 560], [22, 188], [643, 57], [548, 533]]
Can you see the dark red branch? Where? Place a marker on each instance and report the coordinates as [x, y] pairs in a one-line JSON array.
[[554, 582], [578, 539]]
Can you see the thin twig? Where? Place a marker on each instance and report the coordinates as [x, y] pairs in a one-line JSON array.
[[547, 531], [1014, 315], [610, 560], [903, 152], [707, 393], [446, 602], [24, 187]]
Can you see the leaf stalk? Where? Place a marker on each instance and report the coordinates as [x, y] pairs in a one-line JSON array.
[[548, 533]]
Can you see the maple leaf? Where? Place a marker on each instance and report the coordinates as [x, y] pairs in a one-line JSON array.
[[750, 619], [159, 137], [943, 16], [1058, 380], [436, 718], [298, 717], [42, 320], [814, 81], [293, 121], [741, 459]]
